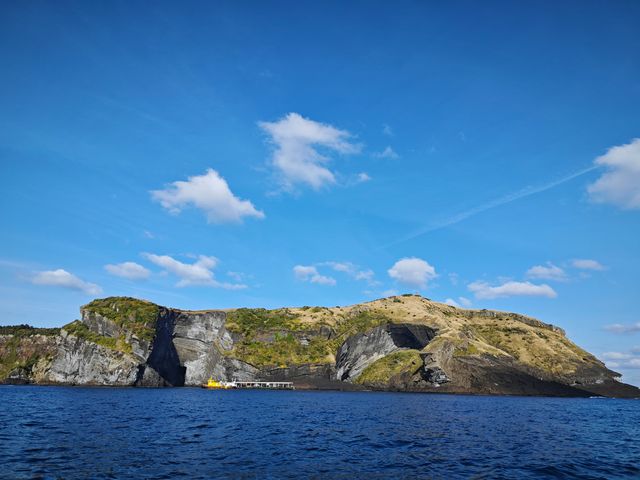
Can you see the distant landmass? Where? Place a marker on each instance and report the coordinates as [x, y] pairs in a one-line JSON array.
[[401, 343]]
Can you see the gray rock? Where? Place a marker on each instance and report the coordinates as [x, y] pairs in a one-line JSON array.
[[81, 362], [361, 350]]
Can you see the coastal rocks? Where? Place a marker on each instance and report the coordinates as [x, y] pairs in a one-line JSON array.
[[23, 358], [361, 350], [190, 347], [81, 362], [108, 328], [404, 343], [435, 376], [431, 371]]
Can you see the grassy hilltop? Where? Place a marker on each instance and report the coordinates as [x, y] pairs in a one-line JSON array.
[[466, 344]]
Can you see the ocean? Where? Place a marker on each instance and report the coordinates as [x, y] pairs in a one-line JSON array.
[[129, 433]]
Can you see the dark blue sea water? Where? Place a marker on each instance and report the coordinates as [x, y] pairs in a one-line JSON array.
[[58, 432]]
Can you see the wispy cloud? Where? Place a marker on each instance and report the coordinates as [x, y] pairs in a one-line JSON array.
[[547, 272], [309, 273], [296, 157], [461, 302], [588, 264], [210, 193], [388, 152], [623, 329], [129, 270], [630, 360], [62, 278], [363, 177], [511, 197], [198, 273], [353, 270], [483, 290]]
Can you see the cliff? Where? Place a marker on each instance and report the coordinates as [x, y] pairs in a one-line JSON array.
[[404, 343]]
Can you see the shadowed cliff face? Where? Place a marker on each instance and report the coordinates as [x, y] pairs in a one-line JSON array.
[[403, 343], [163, 366], [189, 348], [361, 350]]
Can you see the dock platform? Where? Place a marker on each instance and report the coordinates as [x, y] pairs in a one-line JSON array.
[[267, 385]]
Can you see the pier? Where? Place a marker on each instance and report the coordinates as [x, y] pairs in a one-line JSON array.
[[268, 385]]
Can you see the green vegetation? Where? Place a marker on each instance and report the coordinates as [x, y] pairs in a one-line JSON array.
[[469, 349], [286, 349], [80, 330], [507, 339], [383, 370], [250, 321], [23, 351], [27, 330], [137, 316], [358, 323]]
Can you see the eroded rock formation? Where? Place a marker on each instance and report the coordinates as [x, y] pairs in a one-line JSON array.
[[405, 343]]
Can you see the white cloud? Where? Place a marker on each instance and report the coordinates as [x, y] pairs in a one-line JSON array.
[[363, 177], [210, 193], [353, 271], [198, 273], [616, 356], [237, 276], [452, 302], [412, 272], [461, 302], [323, 280], [587, 264], [453, 278], [366, 275], [622, 359], [387, 153], [547, 272], [465, 302], [296, 157], [130, 270], [620, 184], [510, 289], [387, 130], [62, 278], [309, 273], [620, 328], [346, 267]]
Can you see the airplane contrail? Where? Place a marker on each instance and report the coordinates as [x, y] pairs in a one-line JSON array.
[[525, 192]]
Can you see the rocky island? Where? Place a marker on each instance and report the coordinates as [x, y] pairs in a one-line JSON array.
[[400, 343]]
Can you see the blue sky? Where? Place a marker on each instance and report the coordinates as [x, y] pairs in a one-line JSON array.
[[293, 153]]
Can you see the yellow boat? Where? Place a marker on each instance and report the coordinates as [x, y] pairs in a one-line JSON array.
[[216, 385]]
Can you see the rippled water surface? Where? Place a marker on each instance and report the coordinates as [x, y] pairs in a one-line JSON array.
[[59, 432]]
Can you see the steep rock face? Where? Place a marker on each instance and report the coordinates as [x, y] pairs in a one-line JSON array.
[[405, 343], [108, 328], [361, 350], [189, 348], [82, 362]]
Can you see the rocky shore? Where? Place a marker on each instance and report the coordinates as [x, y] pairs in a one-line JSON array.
[[401, 343]]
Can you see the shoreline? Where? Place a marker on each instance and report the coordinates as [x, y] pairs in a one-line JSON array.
[[319, 390]]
